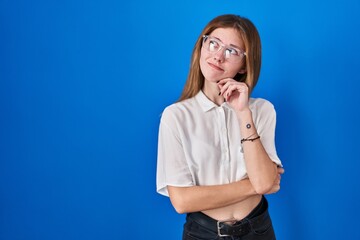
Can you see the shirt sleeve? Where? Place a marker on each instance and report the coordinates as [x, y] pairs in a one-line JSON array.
[[172, 167], [266, 123]]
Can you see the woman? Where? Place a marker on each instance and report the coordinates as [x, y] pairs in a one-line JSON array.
[[216, 150]]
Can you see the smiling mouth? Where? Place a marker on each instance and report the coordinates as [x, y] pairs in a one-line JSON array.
[[215, 67]]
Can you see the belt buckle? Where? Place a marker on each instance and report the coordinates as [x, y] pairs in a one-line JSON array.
[[220, 227]]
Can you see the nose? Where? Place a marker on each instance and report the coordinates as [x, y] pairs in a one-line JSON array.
[[220, 55]]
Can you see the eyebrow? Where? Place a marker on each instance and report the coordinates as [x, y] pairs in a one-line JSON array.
[[232, 45]]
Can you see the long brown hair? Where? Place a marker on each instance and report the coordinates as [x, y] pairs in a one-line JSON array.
[[251, 39]]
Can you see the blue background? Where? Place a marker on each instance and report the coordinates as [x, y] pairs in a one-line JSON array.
[[82, 87]]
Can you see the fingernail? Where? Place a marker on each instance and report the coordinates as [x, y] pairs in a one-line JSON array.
[[218, 81], [219, 93]]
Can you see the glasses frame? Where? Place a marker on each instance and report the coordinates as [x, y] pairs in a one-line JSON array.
[[223, 46]]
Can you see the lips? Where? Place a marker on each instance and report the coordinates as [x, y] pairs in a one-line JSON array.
[[215, 67]]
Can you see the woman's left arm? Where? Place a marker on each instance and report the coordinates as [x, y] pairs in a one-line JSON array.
[[261, 170]]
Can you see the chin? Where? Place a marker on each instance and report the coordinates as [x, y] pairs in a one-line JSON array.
[[212, 79]]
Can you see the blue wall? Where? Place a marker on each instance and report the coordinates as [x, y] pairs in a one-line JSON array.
[[82, 86]]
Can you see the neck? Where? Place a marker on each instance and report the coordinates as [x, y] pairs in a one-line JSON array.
[[211, 91]]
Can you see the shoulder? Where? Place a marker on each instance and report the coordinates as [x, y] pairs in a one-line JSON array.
[[260, 104], [261, 107], [178, 110]]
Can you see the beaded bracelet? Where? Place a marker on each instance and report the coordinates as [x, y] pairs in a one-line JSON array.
[[249, 139]]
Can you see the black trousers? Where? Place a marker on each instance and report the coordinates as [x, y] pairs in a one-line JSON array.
[[256, 226]]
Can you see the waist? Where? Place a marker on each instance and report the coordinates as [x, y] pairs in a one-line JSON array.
[[236, 211], [258, 217]]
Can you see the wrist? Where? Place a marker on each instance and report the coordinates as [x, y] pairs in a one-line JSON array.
[[244, 115]]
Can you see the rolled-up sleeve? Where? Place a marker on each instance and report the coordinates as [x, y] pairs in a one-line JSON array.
[[172, 167]]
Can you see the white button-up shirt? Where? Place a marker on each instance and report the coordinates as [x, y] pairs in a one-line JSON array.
[[199, 142]]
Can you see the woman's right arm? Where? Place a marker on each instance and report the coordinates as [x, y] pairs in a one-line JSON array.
[[201, 198]]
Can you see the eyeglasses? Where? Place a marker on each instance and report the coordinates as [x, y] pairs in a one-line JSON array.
[[214, 45]]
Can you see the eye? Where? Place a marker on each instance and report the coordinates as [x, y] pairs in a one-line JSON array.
[[232, 51], [213, 45]]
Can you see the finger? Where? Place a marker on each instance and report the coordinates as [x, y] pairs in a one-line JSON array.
[[231, 88], [220, 84], [224, 84], [226, 90], [224, 81]]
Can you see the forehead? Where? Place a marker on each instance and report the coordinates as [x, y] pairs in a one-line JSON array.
[[229, 36]]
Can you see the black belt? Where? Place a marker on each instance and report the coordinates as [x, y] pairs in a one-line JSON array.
[[238, 228]]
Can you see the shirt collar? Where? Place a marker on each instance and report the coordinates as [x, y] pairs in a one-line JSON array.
[[205, 103]]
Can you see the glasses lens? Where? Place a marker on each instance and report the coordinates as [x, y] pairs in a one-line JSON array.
[[213, 46]]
